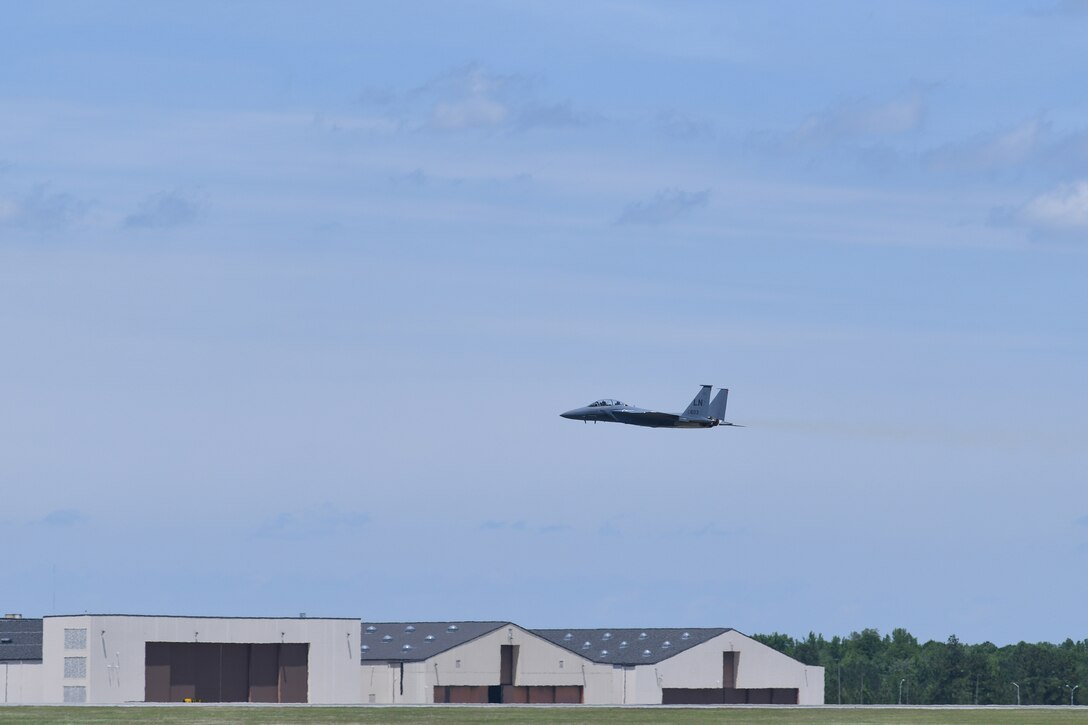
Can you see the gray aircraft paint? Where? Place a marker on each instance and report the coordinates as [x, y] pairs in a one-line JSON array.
[[702, 412]]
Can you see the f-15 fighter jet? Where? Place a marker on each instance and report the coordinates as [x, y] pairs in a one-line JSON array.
[[702, 413]]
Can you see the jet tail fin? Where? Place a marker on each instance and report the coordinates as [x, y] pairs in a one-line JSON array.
[[700, 406], [717, 406]]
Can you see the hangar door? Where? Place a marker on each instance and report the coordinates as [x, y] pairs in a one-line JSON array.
[[222, 672], [483, 694]]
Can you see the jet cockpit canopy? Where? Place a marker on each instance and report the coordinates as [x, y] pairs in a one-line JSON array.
[[604, 402]]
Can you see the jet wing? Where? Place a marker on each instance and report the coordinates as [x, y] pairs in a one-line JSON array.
[[647, 418]]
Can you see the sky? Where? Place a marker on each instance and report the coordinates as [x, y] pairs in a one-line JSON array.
[[292, 294]]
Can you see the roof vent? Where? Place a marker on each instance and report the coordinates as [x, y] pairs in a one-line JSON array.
[[587, 644], [642, 635], [410, 628], [623, 644], [387, 638], [686, 635], [606, 636], [666, 644], [451, 628], [645, 653], [371, 629], [5, 640], [406, 647], [429, 638], [366, 648], [568, 637], [604, 653]]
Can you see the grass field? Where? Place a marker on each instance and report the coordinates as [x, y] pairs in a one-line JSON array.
[[232, 715]]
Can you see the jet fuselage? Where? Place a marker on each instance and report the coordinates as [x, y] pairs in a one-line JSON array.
[[702, 413]]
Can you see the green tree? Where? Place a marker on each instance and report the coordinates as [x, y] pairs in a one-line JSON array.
[[872, 668]]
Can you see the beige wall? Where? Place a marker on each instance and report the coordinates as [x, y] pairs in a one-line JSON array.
[[813, 691], [759, 666], [20, 682], [378, 684], [115, 647]]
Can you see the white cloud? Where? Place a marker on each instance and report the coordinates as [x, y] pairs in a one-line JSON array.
[[315, 522], [866, 118], [466, 98], [681, 126], [63, 517], [163, 210], [993, 152], [417, 177], [42, 210], [554, 115], [1062, 209], [667, 205], [471, 112]]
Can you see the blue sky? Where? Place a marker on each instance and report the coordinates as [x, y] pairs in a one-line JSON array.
[[291, 297]]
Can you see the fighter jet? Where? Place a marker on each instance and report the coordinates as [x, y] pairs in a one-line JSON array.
[[701, 413]]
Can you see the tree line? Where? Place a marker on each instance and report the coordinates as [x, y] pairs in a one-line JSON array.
[[867, 668]]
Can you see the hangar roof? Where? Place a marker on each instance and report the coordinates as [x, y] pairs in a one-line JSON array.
[[629, 646], [417, 641], [192, 616], [20, 640]]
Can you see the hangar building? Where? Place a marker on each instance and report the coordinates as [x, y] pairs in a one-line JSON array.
[[108, 658], [483, 662], [125, 658], [474, 662], [696, 666], [20, 659]]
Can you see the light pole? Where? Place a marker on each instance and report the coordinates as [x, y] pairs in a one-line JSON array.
[[1017, 693], [1072, 689], [901, 690]]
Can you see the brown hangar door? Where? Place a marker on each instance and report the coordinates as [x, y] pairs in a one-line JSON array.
[[482, 694], [225, 672]]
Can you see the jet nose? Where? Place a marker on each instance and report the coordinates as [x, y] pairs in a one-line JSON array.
[[569, 415]]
